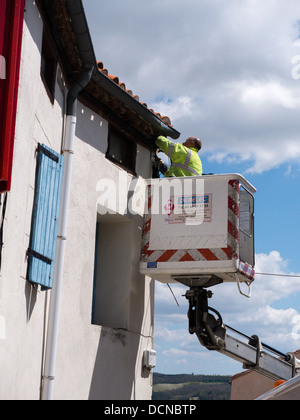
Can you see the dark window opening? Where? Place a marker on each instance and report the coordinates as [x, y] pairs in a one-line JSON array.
[[121, 150], [48, 66], [112, 272]]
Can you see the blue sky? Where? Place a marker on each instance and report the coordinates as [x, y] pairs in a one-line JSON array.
[[227, 72]]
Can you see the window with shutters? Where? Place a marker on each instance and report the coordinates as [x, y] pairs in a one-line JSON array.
[[122, 149], [41, 252]]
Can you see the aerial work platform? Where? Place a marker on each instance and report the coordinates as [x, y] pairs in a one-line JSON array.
[[199, 231]]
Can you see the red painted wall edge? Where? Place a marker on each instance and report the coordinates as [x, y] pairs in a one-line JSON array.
[[11, 29]]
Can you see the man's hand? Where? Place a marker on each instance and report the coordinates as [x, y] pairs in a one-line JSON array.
[[157, 151]]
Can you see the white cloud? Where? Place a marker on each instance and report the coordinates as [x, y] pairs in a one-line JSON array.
[[272, 286], [182, 362], [180, 108], [256, 94], [275, 317], [169, 334], [185, 353], [259, 314]]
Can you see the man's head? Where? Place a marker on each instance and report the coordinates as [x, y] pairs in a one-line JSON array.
[[193, 142]]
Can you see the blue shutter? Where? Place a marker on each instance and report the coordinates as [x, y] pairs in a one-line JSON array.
[[41, 252]]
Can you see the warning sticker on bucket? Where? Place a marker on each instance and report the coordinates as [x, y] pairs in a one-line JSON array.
[[188, 209]]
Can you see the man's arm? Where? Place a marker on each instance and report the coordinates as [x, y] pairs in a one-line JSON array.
[[163, 143]]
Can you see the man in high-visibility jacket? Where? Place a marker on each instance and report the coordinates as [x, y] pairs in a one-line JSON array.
[[185, 160]]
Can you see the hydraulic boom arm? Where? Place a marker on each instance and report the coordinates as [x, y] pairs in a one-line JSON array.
[[254, 354]]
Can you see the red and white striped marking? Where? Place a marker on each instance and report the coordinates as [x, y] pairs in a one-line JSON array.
[[247, 270]]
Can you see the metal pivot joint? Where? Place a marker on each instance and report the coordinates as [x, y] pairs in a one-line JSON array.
[[255, 342], [292, 359], [208, 328]]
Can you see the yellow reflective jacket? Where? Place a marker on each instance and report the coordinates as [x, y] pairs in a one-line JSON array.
[[185, 161]]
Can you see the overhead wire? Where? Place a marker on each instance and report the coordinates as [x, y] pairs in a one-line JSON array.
[[173, 294], [278, 275]]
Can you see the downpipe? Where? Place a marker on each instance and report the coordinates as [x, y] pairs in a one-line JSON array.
[[55, 300]]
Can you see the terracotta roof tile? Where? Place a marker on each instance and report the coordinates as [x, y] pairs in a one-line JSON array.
[[166, 120], [122, 85], [114, 78]]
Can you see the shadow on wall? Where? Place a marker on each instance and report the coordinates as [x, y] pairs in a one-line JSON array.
[[115, 366]]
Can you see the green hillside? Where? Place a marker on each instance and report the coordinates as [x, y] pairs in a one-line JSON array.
[[187, 387]]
